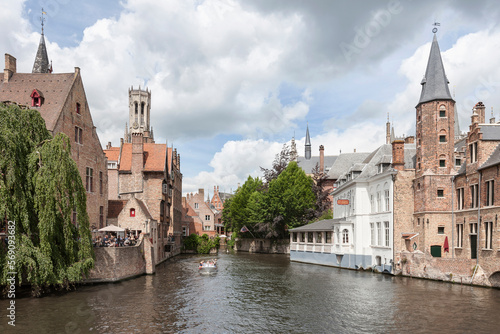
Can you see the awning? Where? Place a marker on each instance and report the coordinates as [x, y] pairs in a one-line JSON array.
[[112, 228]]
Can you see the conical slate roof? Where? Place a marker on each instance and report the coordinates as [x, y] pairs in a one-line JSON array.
[[435, 83], [308, 138], [41, 64]]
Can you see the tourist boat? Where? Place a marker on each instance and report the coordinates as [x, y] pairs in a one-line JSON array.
[[208, 267]]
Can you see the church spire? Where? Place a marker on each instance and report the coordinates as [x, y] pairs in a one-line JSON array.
[[308, 144], [435, 84], [41, 64]]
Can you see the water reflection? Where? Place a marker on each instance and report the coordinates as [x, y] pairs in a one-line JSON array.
[[256, 293]]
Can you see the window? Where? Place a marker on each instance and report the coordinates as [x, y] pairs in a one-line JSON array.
[[460, 198], [294, 236], [196, 205], [460, 235], [372, 203], [136, 105], [78, 135], [440, 193], [89, 180], [442, 111], [101, 216], [418, 221], [319, 236], [386, 227], [473, 152], [101, 188], [490, 193], [488, 229], [132, 212], [184, 231], [207, 217], [474, 196], [373, 237], [328, 237], [73, 219], [442, 138], [345, 236], [442, 163], [387, 200], [206, 228], [379, 203], [379, 234], [78, 111], [440, 229], [473, 228], [458, 162], [36, 98], [309, 237], [112, 165]]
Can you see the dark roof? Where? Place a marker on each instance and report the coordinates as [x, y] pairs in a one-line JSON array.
[[435, 83], [459, 145], [343, 162], [55, 88], [490, 131], [41, 64], [322, 225], [493, 160], [308, 138], [308, 165], [115, 207]]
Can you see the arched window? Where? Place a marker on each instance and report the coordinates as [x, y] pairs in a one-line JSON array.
[[132, 212], [442, 111], [345, 236], [36, 98]]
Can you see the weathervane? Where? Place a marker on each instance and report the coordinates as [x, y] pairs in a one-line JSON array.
[[42, 19], [435, 24]]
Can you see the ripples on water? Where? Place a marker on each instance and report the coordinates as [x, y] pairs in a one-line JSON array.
[[258, 293]]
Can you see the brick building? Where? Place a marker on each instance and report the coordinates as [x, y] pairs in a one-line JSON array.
[[61, 100], [146, 183], [205, 214]]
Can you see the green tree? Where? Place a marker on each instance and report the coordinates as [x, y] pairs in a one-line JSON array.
[[235, 213], [40, 186], [287, 203]]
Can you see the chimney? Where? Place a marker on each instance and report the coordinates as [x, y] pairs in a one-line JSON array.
[[388, 131], [321, 158], [492, 119], [108, 146], [480, 108], [121, 142], [202, 193], [137, 152], [10, 67], [354, 150], [398, 154], [475, 117]]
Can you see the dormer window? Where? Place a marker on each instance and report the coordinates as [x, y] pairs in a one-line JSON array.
[[36, 98]]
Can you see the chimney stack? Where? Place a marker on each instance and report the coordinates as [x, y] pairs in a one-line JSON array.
[[492, 119], [398, 154], [321, 158], [10, 67], [108, 146], [480, 110]]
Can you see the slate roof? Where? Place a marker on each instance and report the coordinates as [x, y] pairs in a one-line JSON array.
[[435, 83], [322, 225], [493, 160], [55, 88], [490, 131], [41, 64], [343, 162], [308, 165]]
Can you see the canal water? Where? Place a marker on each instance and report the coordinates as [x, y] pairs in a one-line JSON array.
[[260, 293]]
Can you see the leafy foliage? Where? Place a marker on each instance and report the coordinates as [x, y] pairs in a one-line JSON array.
[[202, 244], [280, 163], [40, 186]]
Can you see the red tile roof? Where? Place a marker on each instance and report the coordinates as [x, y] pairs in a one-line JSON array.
[[54, 87], [154, 156], [113, 153]]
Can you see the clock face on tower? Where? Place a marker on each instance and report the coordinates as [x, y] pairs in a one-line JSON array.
[[135, 125]]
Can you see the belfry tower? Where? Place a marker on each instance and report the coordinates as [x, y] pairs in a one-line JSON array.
[[435, 136], [139, 115]]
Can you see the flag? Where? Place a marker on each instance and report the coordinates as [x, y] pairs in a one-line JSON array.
[[446, 245], [44, 13], [244, 229]]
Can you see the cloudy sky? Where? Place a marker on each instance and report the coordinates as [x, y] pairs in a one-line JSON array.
[[233, 80]]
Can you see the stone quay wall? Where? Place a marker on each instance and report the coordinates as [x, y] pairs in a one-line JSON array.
[[262, 246], [118, 263], [452, 270]]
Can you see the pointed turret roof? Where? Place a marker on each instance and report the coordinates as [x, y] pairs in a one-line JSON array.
[[41, 64], [435, 83], [308, 138]]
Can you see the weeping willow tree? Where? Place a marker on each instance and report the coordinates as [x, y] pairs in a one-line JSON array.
[[40, 187]]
